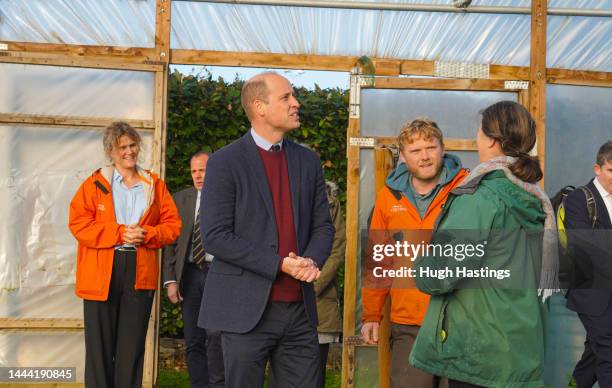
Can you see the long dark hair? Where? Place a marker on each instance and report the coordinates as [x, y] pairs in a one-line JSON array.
[[513, 127]]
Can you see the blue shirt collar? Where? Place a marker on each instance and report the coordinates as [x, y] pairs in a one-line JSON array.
[[263, 143], [116, 176], [119, 179]]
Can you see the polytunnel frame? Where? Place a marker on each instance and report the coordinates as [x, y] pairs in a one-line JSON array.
[[158, 59]]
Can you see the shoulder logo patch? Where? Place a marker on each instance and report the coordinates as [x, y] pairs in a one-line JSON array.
[[398, 208]]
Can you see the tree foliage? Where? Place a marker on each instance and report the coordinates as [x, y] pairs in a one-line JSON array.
[[205, 114]]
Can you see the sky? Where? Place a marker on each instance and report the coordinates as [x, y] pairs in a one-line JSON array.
[[306, 78]]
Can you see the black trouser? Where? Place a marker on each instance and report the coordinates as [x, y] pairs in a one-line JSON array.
[[204, 354], [323, 352], [596, 361], [115, 330], [284, 336]]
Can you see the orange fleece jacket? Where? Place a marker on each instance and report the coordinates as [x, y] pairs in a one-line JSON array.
[[408, 304]]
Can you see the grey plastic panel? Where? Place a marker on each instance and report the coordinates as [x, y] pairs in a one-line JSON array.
[[69, 91], [128, 23], [384, 111], [578, 122]]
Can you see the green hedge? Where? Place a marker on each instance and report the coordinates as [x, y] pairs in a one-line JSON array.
[[205, 114]]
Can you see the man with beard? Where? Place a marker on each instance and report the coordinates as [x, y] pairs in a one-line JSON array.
[[407, 208]]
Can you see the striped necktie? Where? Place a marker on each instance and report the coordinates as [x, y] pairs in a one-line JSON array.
[[197, 251]]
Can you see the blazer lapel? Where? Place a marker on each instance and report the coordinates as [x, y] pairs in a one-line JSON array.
[[293, 168], [258, 173], [191, 198]]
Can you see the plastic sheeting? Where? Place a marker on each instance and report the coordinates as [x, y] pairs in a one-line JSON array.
[[128, 23], [43, 349], [573, 42], [68, 91], [456, 112], [40, 170], [578, 122], [385, 34]]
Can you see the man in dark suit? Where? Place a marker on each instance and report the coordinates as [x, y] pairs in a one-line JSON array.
[[266, 220], [590, 294], [185, 265]]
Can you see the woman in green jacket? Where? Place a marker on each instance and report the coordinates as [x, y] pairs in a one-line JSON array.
[[485, 323]]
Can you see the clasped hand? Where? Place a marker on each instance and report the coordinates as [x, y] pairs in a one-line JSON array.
[[300, 268], [134, 234]]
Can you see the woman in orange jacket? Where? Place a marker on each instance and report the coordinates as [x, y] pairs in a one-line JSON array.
[[120, 216]]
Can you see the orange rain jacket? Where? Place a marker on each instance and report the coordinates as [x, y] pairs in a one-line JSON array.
[[93, 223], [393, 212]]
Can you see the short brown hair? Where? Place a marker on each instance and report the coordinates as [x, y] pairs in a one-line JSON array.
[[420, 128], [604, 154], [113, 133], [253, 89]]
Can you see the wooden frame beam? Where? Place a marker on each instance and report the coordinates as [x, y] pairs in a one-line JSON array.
[[126, 54], [439, 84], [351, 260], [162, 30], [73, 121], [41, 323], [150, 59], [51, 59], [450, 144], [537, 76], [579, 77], [266, 60]]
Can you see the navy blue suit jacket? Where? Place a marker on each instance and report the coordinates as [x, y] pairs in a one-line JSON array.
[[591, 286], [238, 228]]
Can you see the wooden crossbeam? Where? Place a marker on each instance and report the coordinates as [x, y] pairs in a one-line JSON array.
[[75, 121]]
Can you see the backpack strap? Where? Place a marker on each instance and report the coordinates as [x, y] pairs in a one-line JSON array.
[[591, 205]]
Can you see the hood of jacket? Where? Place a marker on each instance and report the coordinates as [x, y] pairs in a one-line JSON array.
[[399, 178], [525, 207]]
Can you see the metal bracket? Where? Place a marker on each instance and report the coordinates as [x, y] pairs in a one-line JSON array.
[[362, 142], [461, 70], [516, 85], [355, 94]]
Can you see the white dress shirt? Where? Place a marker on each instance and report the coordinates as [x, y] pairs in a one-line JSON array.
[[607, 197]]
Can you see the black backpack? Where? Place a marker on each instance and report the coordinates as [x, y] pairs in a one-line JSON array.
[[558, 203]]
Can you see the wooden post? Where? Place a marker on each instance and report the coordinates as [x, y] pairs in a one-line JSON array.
[[162, 50], [162, 30], [351, 259], [537, 75], [383, 162]]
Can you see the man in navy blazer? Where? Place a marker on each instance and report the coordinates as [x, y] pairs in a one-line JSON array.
[[266, 220], [590, 294]]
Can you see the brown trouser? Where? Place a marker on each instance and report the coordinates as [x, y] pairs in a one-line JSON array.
[[404, 375]]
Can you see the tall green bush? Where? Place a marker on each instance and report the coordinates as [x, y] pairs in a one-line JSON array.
[[205, 114]]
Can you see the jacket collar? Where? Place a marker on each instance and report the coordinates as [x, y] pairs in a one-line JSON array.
[[147, 179]]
